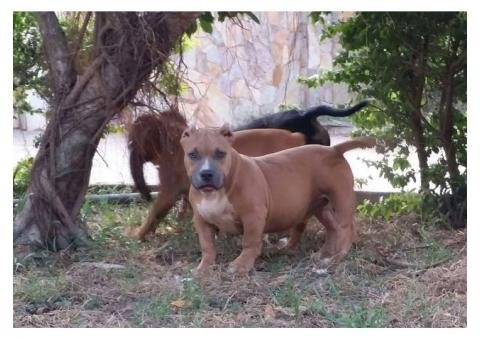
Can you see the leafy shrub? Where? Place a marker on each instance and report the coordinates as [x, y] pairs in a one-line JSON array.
[[393, 205], [21, 176]]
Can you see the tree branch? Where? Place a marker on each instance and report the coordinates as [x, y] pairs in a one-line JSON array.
[[133, 46], [81, 36], [56, 53]]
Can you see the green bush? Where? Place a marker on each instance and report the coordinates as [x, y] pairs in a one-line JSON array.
[[21, 176], [393, 205]]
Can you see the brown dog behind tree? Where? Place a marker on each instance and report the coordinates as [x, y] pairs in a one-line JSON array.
[[234, 193]]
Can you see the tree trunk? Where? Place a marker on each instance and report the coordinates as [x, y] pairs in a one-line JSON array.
[[454, 64], [418, 84], [454, 203], [417, 128], [446, 127], [419, 142], [128, 46]]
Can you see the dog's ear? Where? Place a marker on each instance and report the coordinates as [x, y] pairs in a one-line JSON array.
[[225, 130], [188, 131]]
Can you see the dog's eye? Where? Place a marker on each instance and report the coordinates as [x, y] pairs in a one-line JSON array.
[[219, 154], [193, 155]]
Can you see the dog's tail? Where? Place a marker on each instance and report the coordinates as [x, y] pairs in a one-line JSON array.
[[362, 142], [136, 170], [151, 138], [325, 110]]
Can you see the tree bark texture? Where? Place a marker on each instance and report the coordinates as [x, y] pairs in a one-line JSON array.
[[417, 88], [127, 48], [455, 63], [455, 204]]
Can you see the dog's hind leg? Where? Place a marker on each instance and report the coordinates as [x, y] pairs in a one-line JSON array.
[[169, 192], [338, 221], [161, 206], [172, 185], [294, 236]]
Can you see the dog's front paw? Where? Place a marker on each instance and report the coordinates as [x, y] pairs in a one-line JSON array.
[[134, 233], [326, 262], [287, 248], [204, 267], [239, 267], [321, 261]]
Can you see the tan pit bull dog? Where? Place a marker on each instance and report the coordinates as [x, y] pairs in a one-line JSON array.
[[234, 193], [174, 182]]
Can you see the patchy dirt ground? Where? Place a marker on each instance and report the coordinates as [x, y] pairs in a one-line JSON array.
[[401, 274]]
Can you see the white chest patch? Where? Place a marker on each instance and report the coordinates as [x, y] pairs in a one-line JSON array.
[[216, 209]]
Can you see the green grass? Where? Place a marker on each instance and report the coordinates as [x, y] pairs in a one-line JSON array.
[[362, 317], [436, 253], [193, 293], [152, 309], [356, 316], [42, 288], [92, 303], [287, 295], [129, 277], [276, 264], [157, 309], [108, 226], [363, 291]]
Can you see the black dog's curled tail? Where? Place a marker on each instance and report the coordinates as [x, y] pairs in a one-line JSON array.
[[325, 110]]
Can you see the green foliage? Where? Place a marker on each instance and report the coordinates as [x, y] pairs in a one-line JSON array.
[[100, 189], [26, 50], [360, 182], [394, 205], [402, 59], [21, 176], [224, 15], [71, 23], [30, 73], [29, 70], [114, 128], [206, 20], [20, 102], [170, 83]]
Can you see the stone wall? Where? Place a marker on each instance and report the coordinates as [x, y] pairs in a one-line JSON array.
[[237, 72], [241, 71]]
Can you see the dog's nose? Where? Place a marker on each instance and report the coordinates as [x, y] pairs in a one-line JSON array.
[[206, 175]]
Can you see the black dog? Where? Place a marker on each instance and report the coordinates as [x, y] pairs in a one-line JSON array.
[[304, 121]]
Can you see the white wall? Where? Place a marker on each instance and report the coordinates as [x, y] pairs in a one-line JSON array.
[[31, 122]]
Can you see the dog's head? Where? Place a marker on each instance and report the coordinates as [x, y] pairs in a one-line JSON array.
[[207, 156]]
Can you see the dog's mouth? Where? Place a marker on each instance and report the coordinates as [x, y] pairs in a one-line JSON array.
[[207, 188]]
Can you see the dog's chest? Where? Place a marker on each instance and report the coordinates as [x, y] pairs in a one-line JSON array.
[[218, 210]]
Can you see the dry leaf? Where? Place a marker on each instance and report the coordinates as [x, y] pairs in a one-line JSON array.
[[181, 303], [269, 313], [285, 311], [279, 280]]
